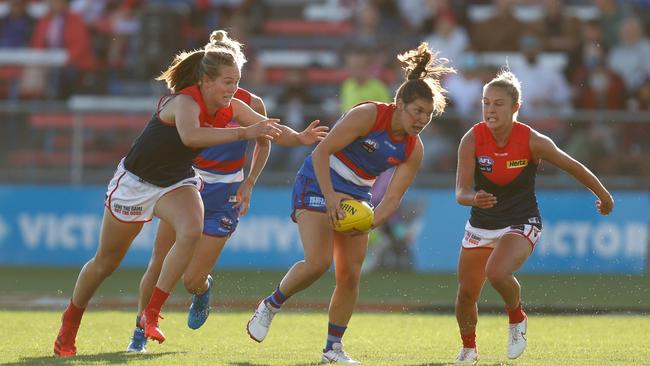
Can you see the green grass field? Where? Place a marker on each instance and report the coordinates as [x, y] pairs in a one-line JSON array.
[[297, 338], [567, 293], [414, 328]]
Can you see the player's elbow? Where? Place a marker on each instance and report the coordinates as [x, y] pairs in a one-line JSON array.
[[458, 197], [319, 153]]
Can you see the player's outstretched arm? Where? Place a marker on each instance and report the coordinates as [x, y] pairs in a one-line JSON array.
[[310, 135], [544, 148]]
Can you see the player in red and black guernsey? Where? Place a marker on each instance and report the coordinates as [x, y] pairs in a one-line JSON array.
[[369, 139], [157, 178], [226, 196], [497, 164]]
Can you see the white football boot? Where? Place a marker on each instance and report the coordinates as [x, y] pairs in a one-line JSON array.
[[467, 356], [517, 339], [337, 355], [258, 326]]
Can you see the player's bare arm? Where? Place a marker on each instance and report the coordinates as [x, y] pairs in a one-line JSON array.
[[400, 181], [357, 122], [310, 135], [465, 194], [544, 148]]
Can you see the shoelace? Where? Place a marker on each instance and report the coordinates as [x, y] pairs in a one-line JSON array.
[[266, 316], [154, 320], [514, 333], [464, 354], [339, 354]]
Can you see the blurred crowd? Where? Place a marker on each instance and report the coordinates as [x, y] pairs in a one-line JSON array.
[[572, 57]]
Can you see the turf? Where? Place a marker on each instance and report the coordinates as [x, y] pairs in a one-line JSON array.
[[296, 338], [567, 293]]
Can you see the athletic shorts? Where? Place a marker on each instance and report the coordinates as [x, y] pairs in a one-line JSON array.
[[220, 218], [484, 238], [131, 199], [307, 195]]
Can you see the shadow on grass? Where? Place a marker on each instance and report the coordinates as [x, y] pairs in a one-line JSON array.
[[108, 357]]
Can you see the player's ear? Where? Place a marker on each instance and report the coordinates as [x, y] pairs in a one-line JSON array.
[[515, 107]]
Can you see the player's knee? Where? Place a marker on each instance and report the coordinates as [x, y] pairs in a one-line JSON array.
[[189, 235], [495, 275], [467, 297], [104, 267], [348, 280], [194, 284], [317, 268]]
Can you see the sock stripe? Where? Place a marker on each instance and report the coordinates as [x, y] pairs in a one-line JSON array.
[[334, 335]]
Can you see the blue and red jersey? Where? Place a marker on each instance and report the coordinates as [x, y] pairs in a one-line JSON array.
[[225, 159], [355, 168]]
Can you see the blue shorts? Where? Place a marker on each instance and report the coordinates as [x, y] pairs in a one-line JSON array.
[[220, 217], [307, 195]]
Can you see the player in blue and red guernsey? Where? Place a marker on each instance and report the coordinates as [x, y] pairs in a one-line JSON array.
[[497, 164], [369, 139], [226, 196]]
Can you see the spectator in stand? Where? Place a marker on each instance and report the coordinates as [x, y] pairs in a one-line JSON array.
[[124, 25], [361, 85], [465, 87], [561, 31], [60, 28], [500, 32], [373, 32], [297, 102], [610, 15], [596, 86], [630, 58], [16, 26], [91, 11], [591, 34], [448, 38], [546, 88], [16, 29]]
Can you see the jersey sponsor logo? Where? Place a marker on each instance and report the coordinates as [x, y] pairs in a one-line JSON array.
[[127, 210], [534, 220], [393, 160], [226, 223], [316, 202], [387, 143], [472, 238], [485, 163], [370, 145], [519, 163]]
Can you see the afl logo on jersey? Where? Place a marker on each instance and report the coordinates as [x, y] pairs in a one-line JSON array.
[[485, 163], [512, 164], [370, 145]]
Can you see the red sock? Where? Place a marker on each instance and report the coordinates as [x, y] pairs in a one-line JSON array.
[[72, 315], [469, 340], [158, 298], [516, 315]]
